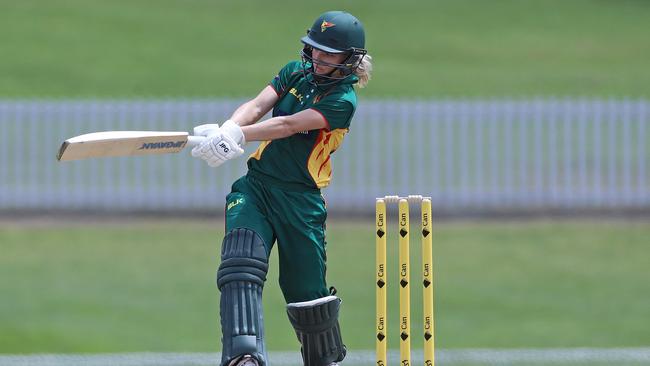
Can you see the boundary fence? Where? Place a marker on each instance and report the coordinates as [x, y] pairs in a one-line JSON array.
[[561, 154]]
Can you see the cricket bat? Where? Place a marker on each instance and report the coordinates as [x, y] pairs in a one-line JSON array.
[[125, 143]]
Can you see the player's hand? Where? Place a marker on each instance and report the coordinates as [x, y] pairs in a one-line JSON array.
[[217, 148], [221, 144], [206, 129], [230, 128]]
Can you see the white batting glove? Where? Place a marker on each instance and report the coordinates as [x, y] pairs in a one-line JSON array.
[[206, 129], [222, 144], [232, 129]]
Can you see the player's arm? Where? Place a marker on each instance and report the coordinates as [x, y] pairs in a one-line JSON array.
[[284, 126], [225, 143], [251, 111]]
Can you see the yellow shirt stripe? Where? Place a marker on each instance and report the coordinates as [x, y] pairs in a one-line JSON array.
[[260, 149], [319, 163]]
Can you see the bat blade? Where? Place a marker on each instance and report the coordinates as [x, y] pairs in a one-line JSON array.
[[123, 143]]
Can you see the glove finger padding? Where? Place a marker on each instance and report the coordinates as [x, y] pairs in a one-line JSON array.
[[204, 149], [196, 151], [231, 129], [215, 162], [217, 148], [317, 327], [206, 129]]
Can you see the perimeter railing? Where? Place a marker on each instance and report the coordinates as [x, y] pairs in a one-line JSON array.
[[466, 154]]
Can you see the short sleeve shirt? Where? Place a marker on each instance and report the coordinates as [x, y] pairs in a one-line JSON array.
[[304, 159]]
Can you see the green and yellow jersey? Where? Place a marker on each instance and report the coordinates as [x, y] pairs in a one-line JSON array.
[[303, 159]]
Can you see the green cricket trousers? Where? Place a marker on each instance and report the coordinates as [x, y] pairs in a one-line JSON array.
[[292, 216]]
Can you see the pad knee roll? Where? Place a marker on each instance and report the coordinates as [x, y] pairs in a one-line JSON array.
[[317, 327], [240, 279]]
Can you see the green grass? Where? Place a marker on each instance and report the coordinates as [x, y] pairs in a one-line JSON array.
[[201, 48], [150, 287]]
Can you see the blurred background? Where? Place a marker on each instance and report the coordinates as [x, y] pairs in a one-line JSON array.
[[527, 122]]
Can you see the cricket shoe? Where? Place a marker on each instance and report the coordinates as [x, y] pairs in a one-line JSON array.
[[245, 360]]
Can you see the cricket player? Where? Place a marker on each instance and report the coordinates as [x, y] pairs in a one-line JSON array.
[[279, 199]]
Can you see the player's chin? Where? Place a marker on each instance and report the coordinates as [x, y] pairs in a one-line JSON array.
[[322, 70]]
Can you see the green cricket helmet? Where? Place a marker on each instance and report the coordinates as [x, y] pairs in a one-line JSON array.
[[334, 32]]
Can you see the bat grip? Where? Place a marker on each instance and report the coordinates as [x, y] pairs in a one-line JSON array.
[[195, 140]]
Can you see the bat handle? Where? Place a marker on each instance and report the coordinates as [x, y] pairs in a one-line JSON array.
[[195, 140]]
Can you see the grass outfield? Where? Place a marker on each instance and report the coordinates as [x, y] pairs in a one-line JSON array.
[[150, 287], [204, 48]]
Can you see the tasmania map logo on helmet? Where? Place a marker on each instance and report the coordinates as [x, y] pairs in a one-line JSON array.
[[325, 25]]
